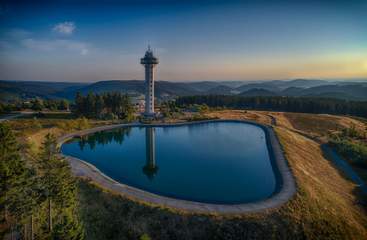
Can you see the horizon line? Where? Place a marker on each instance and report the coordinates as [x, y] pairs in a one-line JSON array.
[[191, 80]]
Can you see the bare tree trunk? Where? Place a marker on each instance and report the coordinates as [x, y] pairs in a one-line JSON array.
[[5, 209], [49, 215], [25, 231], [32, 236], [11, 233]]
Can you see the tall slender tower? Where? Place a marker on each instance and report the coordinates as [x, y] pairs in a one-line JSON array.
[[149, 61]]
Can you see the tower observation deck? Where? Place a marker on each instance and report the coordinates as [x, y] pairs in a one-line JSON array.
[[149, 61]]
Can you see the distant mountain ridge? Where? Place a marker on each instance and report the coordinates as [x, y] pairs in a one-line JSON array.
[[253, 92], [11, 90]]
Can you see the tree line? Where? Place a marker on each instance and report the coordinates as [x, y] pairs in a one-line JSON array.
[[38, 193], [277, 103], [35, 104], [104, 106]]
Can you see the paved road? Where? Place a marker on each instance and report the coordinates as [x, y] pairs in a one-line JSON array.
[[273, 120], [13, 115], [9, 116]]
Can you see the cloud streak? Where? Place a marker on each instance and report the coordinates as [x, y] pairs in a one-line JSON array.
[[65, 28], [53, 45], [16, 34]]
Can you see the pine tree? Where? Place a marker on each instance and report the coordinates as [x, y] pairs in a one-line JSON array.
[[47, 164], [13, 178], [37, 104], [68, 228], [63, 105], [90, 105], [59, 189], [79, 104], [100, 105]]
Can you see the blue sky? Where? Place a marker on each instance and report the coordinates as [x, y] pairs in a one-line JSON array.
[[194, 40]]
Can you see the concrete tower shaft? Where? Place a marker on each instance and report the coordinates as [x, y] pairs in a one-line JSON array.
[[149, 61]]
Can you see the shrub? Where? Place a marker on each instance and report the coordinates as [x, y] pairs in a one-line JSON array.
[[82, 123], [356, 153], [110, 116], [145, 237], [36, 123]]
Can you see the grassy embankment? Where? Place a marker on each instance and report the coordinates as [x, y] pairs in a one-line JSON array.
[[325, 207], [348, 136]]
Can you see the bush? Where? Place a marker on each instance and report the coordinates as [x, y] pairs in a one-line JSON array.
[[110, 116], [201, 108], [82, 123], [356, 153], [199, 117], [145, 237], [36, 123]]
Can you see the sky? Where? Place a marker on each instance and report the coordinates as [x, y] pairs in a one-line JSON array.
[[88, 41]]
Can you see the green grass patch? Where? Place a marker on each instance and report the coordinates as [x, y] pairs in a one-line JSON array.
[[355, 152]]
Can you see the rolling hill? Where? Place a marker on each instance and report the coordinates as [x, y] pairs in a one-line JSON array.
[[12, 90], [258, 92]]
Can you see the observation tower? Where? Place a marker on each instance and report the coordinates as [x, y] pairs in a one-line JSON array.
[[149, 61]]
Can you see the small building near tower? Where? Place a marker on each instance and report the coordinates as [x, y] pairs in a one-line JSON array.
[[149, 61]]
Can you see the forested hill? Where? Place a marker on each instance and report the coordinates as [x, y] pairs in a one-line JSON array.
[[276, 103], [14, 90]]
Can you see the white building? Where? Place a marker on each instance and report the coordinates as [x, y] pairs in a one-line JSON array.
[[149, 61]]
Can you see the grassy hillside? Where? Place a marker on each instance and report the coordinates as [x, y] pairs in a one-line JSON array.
[[12, 90], [326, 205]]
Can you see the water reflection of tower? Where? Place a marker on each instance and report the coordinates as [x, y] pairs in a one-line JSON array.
[[150, 169]]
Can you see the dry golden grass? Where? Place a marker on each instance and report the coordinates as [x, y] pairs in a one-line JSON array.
[[281, 119], [31, 132], [35, 140], [326, 202], [257, 116], [324, 194], [321, 124]]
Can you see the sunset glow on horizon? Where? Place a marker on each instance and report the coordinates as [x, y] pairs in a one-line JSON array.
[[203, 40]]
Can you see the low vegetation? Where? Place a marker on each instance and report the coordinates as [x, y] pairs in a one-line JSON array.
[[325, 206], [351, 144], [38, 192], [355, 152]]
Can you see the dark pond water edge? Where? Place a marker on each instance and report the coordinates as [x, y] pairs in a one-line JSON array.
[[285, 190]]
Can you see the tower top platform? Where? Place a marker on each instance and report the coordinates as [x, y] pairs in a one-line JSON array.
[[149, 58]]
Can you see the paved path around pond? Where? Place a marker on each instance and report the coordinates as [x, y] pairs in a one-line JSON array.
[[285, 192], [13, 115]]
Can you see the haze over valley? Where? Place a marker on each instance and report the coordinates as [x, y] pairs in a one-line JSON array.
[[348, 90]]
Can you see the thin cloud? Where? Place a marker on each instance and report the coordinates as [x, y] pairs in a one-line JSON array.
[[4, 45], [52, 45], [16, 34], [66, 28]]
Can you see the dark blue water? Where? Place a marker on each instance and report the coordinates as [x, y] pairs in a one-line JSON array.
[[219, 162]]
